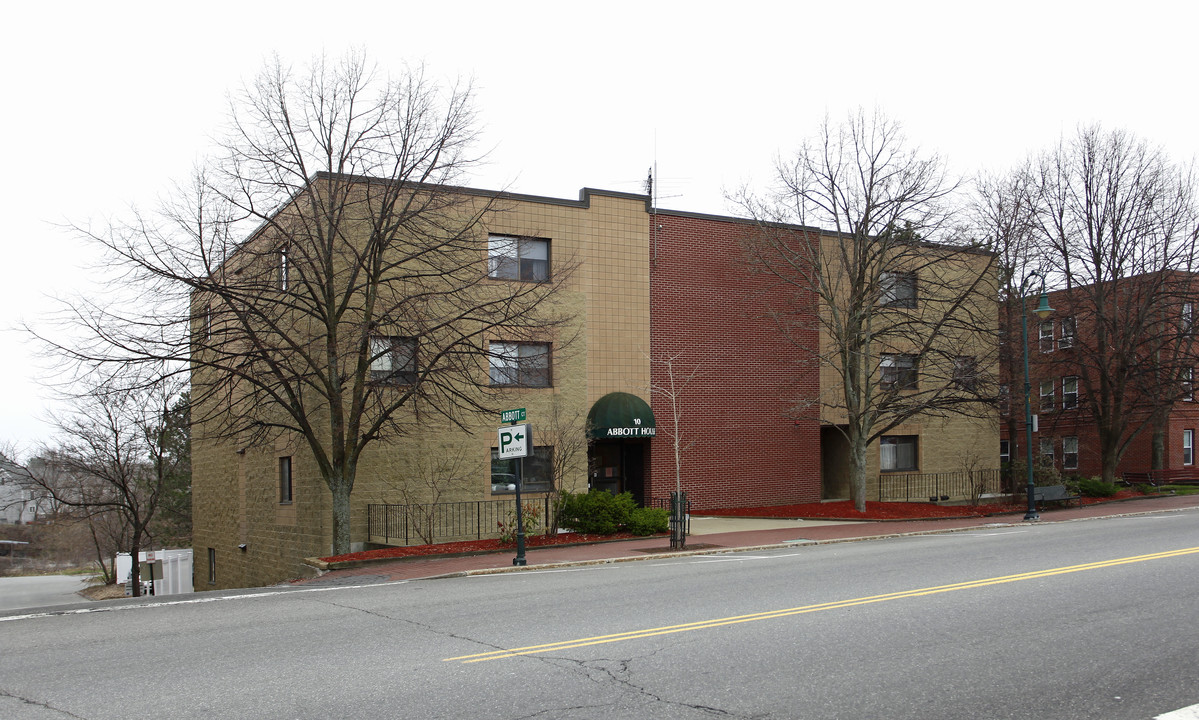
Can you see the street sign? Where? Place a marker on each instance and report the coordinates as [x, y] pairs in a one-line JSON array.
[[513, 416], [515, 441]]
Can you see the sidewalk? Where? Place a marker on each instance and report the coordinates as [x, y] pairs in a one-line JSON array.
[[719, 535]]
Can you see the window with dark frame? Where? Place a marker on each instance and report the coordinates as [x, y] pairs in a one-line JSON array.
[[285, 484], [897, 289], [1005, 451], [1005, 399], [1188, 318], [212, 566], [1070, 392], [1188, 447], [1070, 452], [538, 471], [1046, 336], [393, 359], [1188, 384], [284, 269], [897, 372], [965, 373], [898, 453], [520, 364], [518, 258]]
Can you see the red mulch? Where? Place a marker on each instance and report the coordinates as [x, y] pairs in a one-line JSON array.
[[838, 510], [475, 546]]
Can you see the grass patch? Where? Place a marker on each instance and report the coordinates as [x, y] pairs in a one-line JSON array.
[[1180, 489]]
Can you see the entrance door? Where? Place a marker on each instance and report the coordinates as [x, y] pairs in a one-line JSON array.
[[618, 466]]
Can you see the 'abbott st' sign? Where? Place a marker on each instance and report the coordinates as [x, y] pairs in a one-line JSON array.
[[515, 441]]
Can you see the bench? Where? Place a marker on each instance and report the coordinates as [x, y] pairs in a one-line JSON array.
[[1173, 476], [1054, 493]]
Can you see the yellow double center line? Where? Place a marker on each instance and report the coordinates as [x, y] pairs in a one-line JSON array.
[[770, 615]]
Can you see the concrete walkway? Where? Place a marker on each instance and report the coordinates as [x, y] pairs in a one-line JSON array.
[[721, 535]]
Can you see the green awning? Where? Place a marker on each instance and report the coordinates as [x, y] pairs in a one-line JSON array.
[[620, 415]]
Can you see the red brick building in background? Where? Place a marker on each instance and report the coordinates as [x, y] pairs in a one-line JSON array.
[[1063, 356], [744, 443]]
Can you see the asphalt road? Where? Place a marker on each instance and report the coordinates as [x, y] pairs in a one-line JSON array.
[[39, 591], [1091, 619]]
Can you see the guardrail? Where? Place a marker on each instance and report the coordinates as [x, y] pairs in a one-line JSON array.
[[926, 487]]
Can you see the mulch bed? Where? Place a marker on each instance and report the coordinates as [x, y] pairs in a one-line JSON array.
[[838, 510]]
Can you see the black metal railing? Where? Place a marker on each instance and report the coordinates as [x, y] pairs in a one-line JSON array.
[[664, 504], [447, 522], [926, 487]]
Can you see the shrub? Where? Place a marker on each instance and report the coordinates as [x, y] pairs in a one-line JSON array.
[[1095, 487], [603, 513], [530, 515], [647, 521]]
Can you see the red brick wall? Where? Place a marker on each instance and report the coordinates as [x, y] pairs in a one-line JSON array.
[[708, 311]]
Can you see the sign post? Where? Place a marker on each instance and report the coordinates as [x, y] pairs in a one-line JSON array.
[[515, 442]]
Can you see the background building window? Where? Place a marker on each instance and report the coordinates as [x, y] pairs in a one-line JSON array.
[[1069, 392], [897, 452], [1005, 452], [520, 364], [212, 566], [1047, 451], [539, 471], [1070, 453], [285, 486], [513, 258], [1005, 399], [1188, 447], [965, 373], [1066, 338], [1047, 336], [1047, 396], [393, 359], [898, 372], [1188, 384], [897, 289], [284, 269], [1188, 318]]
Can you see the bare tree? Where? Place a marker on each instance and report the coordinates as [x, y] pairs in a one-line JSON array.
[[904, 321], [1116, 223], [116, 451], [360, 299], [671, 389]]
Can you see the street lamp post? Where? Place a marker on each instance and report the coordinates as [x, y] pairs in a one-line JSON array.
[[1042, 312]]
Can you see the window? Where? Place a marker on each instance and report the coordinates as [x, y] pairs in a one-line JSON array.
[[1047, 336], [1188, 447], [1188, 384], [897, 289], [1070, 453], [520, 364], [212, 566], [1005, 452], [1069, 392], [1005, 399], [1047, 396], [1066, 337], [393, 359], [965, 373], [285, 486], [897, 452], [1188, 318], [1047, 451], [513, 258], [284, 269], [898, 372], [538, 468]]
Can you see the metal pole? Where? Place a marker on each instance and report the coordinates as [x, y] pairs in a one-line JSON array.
[[519, 560], [1032, 503]]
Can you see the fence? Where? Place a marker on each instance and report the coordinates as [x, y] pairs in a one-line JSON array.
[[664, 504], [925, 487], [448, 522]]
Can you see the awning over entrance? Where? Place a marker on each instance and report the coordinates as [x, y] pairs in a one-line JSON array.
[[620, 415]]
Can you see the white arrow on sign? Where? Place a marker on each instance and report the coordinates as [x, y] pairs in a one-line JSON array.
[[515, 441]]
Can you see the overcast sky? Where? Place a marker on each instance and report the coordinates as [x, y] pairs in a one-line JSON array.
[[108, 103]]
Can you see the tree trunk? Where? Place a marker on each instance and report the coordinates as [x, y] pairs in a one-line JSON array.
[[857, 472], [341, 515]]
